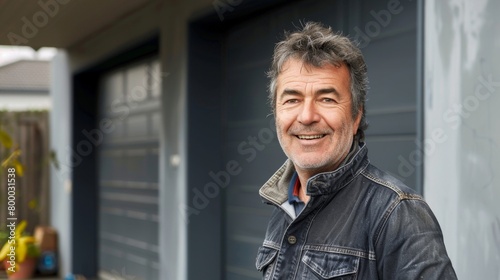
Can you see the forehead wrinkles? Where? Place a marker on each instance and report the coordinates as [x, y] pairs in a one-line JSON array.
[[295, 70], [311, 82]]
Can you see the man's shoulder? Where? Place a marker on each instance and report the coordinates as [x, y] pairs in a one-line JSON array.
[[383, 180]]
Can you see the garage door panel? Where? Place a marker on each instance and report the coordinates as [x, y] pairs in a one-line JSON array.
[[245, 256], [131, 229], [241, 274], [127, 263], [241, 222], [113, 85], [155, 124], [137, 126], [392, 71], [136, 77], [112, 128], [256, 165], [387, 17], [243, 200], [257, 45], [248, 95], [132, 234], [129, 164], [128, 172], [122, 208], [397, 121], [261, 126], [394, 155]]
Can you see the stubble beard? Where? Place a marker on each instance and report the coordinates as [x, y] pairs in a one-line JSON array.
[[313, 165]]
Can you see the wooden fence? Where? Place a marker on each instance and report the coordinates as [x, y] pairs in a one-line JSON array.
[[30, 133]]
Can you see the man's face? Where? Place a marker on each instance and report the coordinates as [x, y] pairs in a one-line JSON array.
[[314, 120]]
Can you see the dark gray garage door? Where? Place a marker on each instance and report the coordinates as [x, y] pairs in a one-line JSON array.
[[389, 41], [128, 172]]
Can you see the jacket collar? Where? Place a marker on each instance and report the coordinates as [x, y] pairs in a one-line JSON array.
[[275, 190]]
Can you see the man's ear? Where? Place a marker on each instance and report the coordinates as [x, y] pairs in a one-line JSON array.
[[357, 121]]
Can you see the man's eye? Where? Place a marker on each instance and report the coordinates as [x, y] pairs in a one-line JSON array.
[[291, 101], [328, 100]]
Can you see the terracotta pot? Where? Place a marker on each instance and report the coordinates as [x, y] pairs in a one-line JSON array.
[[24, 270]]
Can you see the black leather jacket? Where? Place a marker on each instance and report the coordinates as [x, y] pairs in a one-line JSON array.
[[360, 223]]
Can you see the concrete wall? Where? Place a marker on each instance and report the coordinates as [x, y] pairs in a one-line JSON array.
[[462, 157]]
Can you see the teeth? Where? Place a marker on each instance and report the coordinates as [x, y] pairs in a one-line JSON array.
[[309, 137]]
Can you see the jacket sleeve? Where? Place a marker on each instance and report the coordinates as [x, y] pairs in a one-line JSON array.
[[410, 244]]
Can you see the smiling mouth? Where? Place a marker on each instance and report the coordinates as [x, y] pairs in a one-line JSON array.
[[310, 137]]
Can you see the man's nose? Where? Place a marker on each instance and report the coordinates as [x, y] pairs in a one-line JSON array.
[[308, 114]]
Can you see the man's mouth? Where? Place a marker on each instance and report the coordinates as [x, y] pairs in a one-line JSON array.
[[310, 137]]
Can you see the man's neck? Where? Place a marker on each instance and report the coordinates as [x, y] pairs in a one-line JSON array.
[[303, 190], [304, 175]]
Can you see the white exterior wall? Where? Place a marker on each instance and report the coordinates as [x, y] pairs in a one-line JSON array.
[[462, 97], [60, 142]]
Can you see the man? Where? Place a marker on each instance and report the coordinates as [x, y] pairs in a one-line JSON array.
[[337, 216]]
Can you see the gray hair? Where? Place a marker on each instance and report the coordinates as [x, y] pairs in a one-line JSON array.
[[317, 45]]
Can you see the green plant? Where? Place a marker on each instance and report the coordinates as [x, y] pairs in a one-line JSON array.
[[4, 236], [13, 153], [18, 248]]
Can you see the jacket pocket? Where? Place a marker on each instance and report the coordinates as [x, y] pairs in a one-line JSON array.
[[265, 260], [326, 265]]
